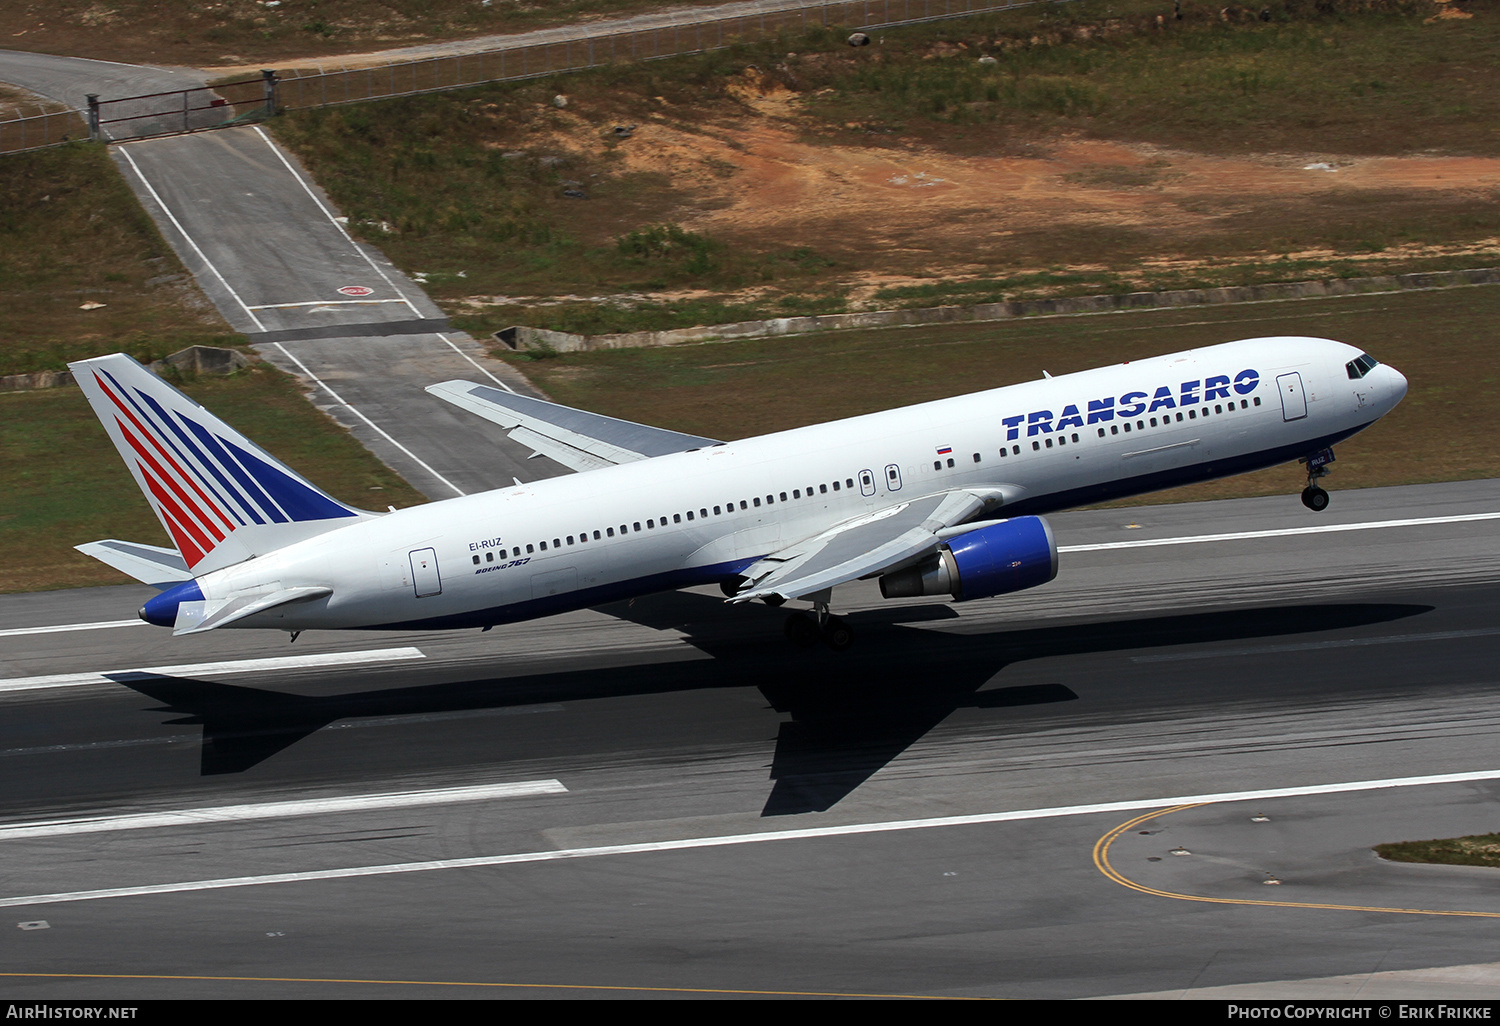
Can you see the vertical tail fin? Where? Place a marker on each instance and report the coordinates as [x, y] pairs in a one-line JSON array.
[[221, 498]]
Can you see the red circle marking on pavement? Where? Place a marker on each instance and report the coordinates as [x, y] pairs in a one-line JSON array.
[[356, 290]]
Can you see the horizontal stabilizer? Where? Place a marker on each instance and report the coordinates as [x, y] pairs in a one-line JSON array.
[[197, 617], [868, 544], [150, 564], [577, 439]]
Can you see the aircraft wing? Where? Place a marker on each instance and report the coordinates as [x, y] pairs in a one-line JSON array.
[[866, 545], [575, 438]]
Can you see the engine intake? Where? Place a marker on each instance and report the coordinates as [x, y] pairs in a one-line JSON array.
[[995, 560]]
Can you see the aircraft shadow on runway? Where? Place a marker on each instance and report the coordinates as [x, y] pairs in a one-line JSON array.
[[848, 714]]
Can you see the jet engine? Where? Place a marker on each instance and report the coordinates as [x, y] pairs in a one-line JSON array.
[[1009, 556]]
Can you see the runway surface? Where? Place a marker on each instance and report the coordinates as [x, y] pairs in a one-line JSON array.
[[666, 798]]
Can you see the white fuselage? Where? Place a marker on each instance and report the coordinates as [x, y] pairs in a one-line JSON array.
[[700, 516]]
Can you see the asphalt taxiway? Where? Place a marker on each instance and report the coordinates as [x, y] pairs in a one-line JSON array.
[[664, 797]]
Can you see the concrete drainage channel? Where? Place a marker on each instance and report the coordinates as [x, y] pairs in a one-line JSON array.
[[193, 360]]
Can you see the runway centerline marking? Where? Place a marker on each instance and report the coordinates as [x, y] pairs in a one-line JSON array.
[[298, 662], [732, 840], [15, 632], [278, 810], [1284, 532], [1102, 863]]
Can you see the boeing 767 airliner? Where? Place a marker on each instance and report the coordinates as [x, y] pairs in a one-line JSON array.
[[942, 498]]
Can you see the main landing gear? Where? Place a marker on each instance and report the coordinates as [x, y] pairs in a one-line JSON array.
[[807, 629], [1313, 496]]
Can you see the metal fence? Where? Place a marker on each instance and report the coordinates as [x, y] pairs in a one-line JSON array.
[[181, 110], [39, 130], [547, 52], [646, 37]]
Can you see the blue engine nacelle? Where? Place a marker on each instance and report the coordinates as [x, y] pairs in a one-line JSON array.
[[1009, 556]]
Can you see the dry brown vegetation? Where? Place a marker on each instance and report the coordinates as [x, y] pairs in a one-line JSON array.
[[72, 234], [1100, 150]]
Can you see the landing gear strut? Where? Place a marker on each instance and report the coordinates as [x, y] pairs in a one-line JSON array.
[[807, 629], [1313, 496]]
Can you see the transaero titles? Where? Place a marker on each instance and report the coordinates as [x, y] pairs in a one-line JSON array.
[[1131, 404]]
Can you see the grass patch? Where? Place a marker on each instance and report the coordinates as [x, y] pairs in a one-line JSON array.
[[1441, 340], [1347, 76], [71, 232], [65, 484], [1475, 850], [1047, 284], [476, 192], [482, 189]]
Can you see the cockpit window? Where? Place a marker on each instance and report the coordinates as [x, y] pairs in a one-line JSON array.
[[1360, 366]]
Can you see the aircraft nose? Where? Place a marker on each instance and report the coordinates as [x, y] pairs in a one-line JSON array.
[[1397, 384]]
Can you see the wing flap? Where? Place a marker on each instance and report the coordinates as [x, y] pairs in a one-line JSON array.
[[859, 547], [577, 439]]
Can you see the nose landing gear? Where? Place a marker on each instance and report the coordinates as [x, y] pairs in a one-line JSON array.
[[1313, 496]]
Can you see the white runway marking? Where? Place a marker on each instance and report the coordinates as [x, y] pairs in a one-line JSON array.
[[302, 662], [375, 427], [477, 367], [15, 632], [125, 151], [335, 221], [731, 840], [278, 810], [1284, 532]]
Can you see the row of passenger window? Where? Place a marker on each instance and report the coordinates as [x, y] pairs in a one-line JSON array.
[[652, 523], [848, 483], [1192, 414], [1114, 429]]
